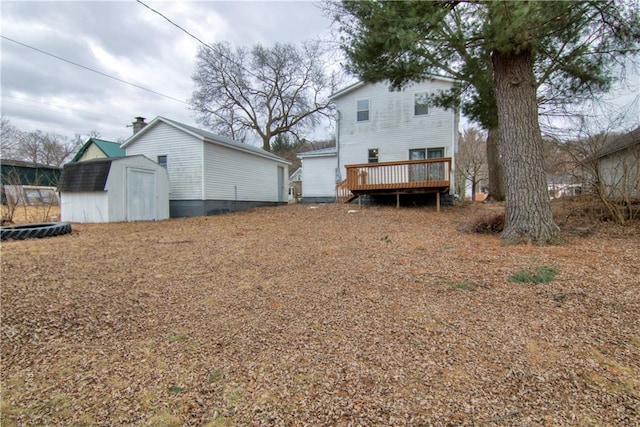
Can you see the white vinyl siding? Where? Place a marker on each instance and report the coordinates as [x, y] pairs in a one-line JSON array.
[[114, 203], [84, 207], [235, 175], [184, 154], [620, 173], [318, 176], [393, 127]]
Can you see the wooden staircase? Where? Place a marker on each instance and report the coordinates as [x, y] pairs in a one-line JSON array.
[[343, 194]]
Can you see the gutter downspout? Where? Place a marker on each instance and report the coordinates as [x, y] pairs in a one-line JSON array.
[[338, 168]]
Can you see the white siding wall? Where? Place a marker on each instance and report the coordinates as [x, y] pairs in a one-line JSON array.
[[392, 126], [184, 159], [318, 176], [84, 206], [111, 205], [620, 173], [234, 175], [117, 187]]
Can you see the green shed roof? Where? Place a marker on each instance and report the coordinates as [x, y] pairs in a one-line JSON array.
[[109, 148]]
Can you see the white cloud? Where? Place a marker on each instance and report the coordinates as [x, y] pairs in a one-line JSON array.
[[129, 42]]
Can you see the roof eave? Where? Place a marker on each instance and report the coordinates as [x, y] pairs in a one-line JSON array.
[[359, 84]]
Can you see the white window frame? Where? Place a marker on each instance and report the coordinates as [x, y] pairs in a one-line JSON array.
[[358, 110], [415, 103]]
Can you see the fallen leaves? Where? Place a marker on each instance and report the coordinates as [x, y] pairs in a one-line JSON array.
[[300, 316]]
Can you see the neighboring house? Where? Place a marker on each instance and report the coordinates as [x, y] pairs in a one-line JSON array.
[[619, 166], [388, 142], [295, 185], [27, 183], [563, 185], [319, 169], [132, 188], [208, 173], [95, 148]]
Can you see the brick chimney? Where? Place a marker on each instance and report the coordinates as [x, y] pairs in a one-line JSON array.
[[138, 124]]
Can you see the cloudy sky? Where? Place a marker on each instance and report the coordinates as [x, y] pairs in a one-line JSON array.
[[125, 40]]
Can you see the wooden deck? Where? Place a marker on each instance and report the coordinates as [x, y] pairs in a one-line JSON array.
[[402, 177]]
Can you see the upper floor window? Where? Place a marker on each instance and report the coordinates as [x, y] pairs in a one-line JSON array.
[[420, 104], [162, 161], [373, 155], [362, 110]]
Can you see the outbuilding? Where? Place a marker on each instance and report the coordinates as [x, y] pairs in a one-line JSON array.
[[119, 189], [210, 174], [319, 175]]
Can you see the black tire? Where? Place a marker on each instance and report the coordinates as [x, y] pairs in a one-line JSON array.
[[42, 229]]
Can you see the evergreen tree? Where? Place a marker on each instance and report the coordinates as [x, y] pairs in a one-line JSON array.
[[505, 54]]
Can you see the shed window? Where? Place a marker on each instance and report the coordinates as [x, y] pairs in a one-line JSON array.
[[362, 108], [373, 155], [162, 161], [421, 104]]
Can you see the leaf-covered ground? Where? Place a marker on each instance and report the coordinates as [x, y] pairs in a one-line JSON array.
[[312, 315]]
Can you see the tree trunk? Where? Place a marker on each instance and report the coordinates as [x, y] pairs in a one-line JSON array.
[[473, 188], [528, 216], [266, 143], [496, 180]]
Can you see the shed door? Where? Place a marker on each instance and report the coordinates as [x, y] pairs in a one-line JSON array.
[[141, 195]]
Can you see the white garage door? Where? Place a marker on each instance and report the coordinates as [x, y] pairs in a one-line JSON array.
[[141, 195]]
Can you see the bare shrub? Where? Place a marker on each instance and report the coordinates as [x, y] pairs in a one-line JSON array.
[[492, 223]]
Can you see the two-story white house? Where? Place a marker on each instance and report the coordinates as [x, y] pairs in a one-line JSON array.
[[389, 141]]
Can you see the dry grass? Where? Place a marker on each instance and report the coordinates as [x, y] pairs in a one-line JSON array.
[[300, 316], [30, 214]]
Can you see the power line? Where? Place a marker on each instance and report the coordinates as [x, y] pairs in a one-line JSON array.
[[176, 25], [208, 46], [93, 70]]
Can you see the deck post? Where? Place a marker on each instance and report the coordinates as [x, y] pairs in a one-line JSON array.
[[437, 201], [397, 200]]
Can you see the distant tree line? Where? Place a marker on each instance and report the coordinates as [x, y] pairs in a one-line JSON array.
[[37, 146]]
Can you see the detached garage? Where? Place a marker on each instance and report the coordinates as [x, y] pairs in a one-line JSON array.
[[131, 188]]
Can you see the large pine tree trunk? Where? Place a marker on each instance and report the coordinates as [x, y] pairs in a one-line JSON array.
[[496, 180], [528, 216]]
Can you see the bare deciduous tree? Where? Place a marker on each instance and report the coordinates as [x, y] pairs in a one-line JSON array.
[[46, 148], [471, 159], [38, 146], [605, 158], [9, 136], [266, 91]]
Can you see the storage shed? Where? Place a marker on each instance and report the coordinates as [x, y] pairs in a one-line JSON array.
[[210, 174], [319, 175], [131, 188]]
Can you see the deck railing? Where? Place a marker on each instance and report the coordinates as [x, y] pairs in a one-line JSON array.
[[401, 175], [343, 193]]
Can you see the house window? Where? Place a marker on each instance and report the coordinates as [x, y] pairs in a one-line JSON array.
[[420, 104], [162, 161], [435, 153], [373, 155], [362, 110]]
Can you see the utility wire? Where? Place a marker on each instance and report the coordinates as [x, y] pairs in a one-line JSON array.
[[176, 25], [92, 70], [208, 46]]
